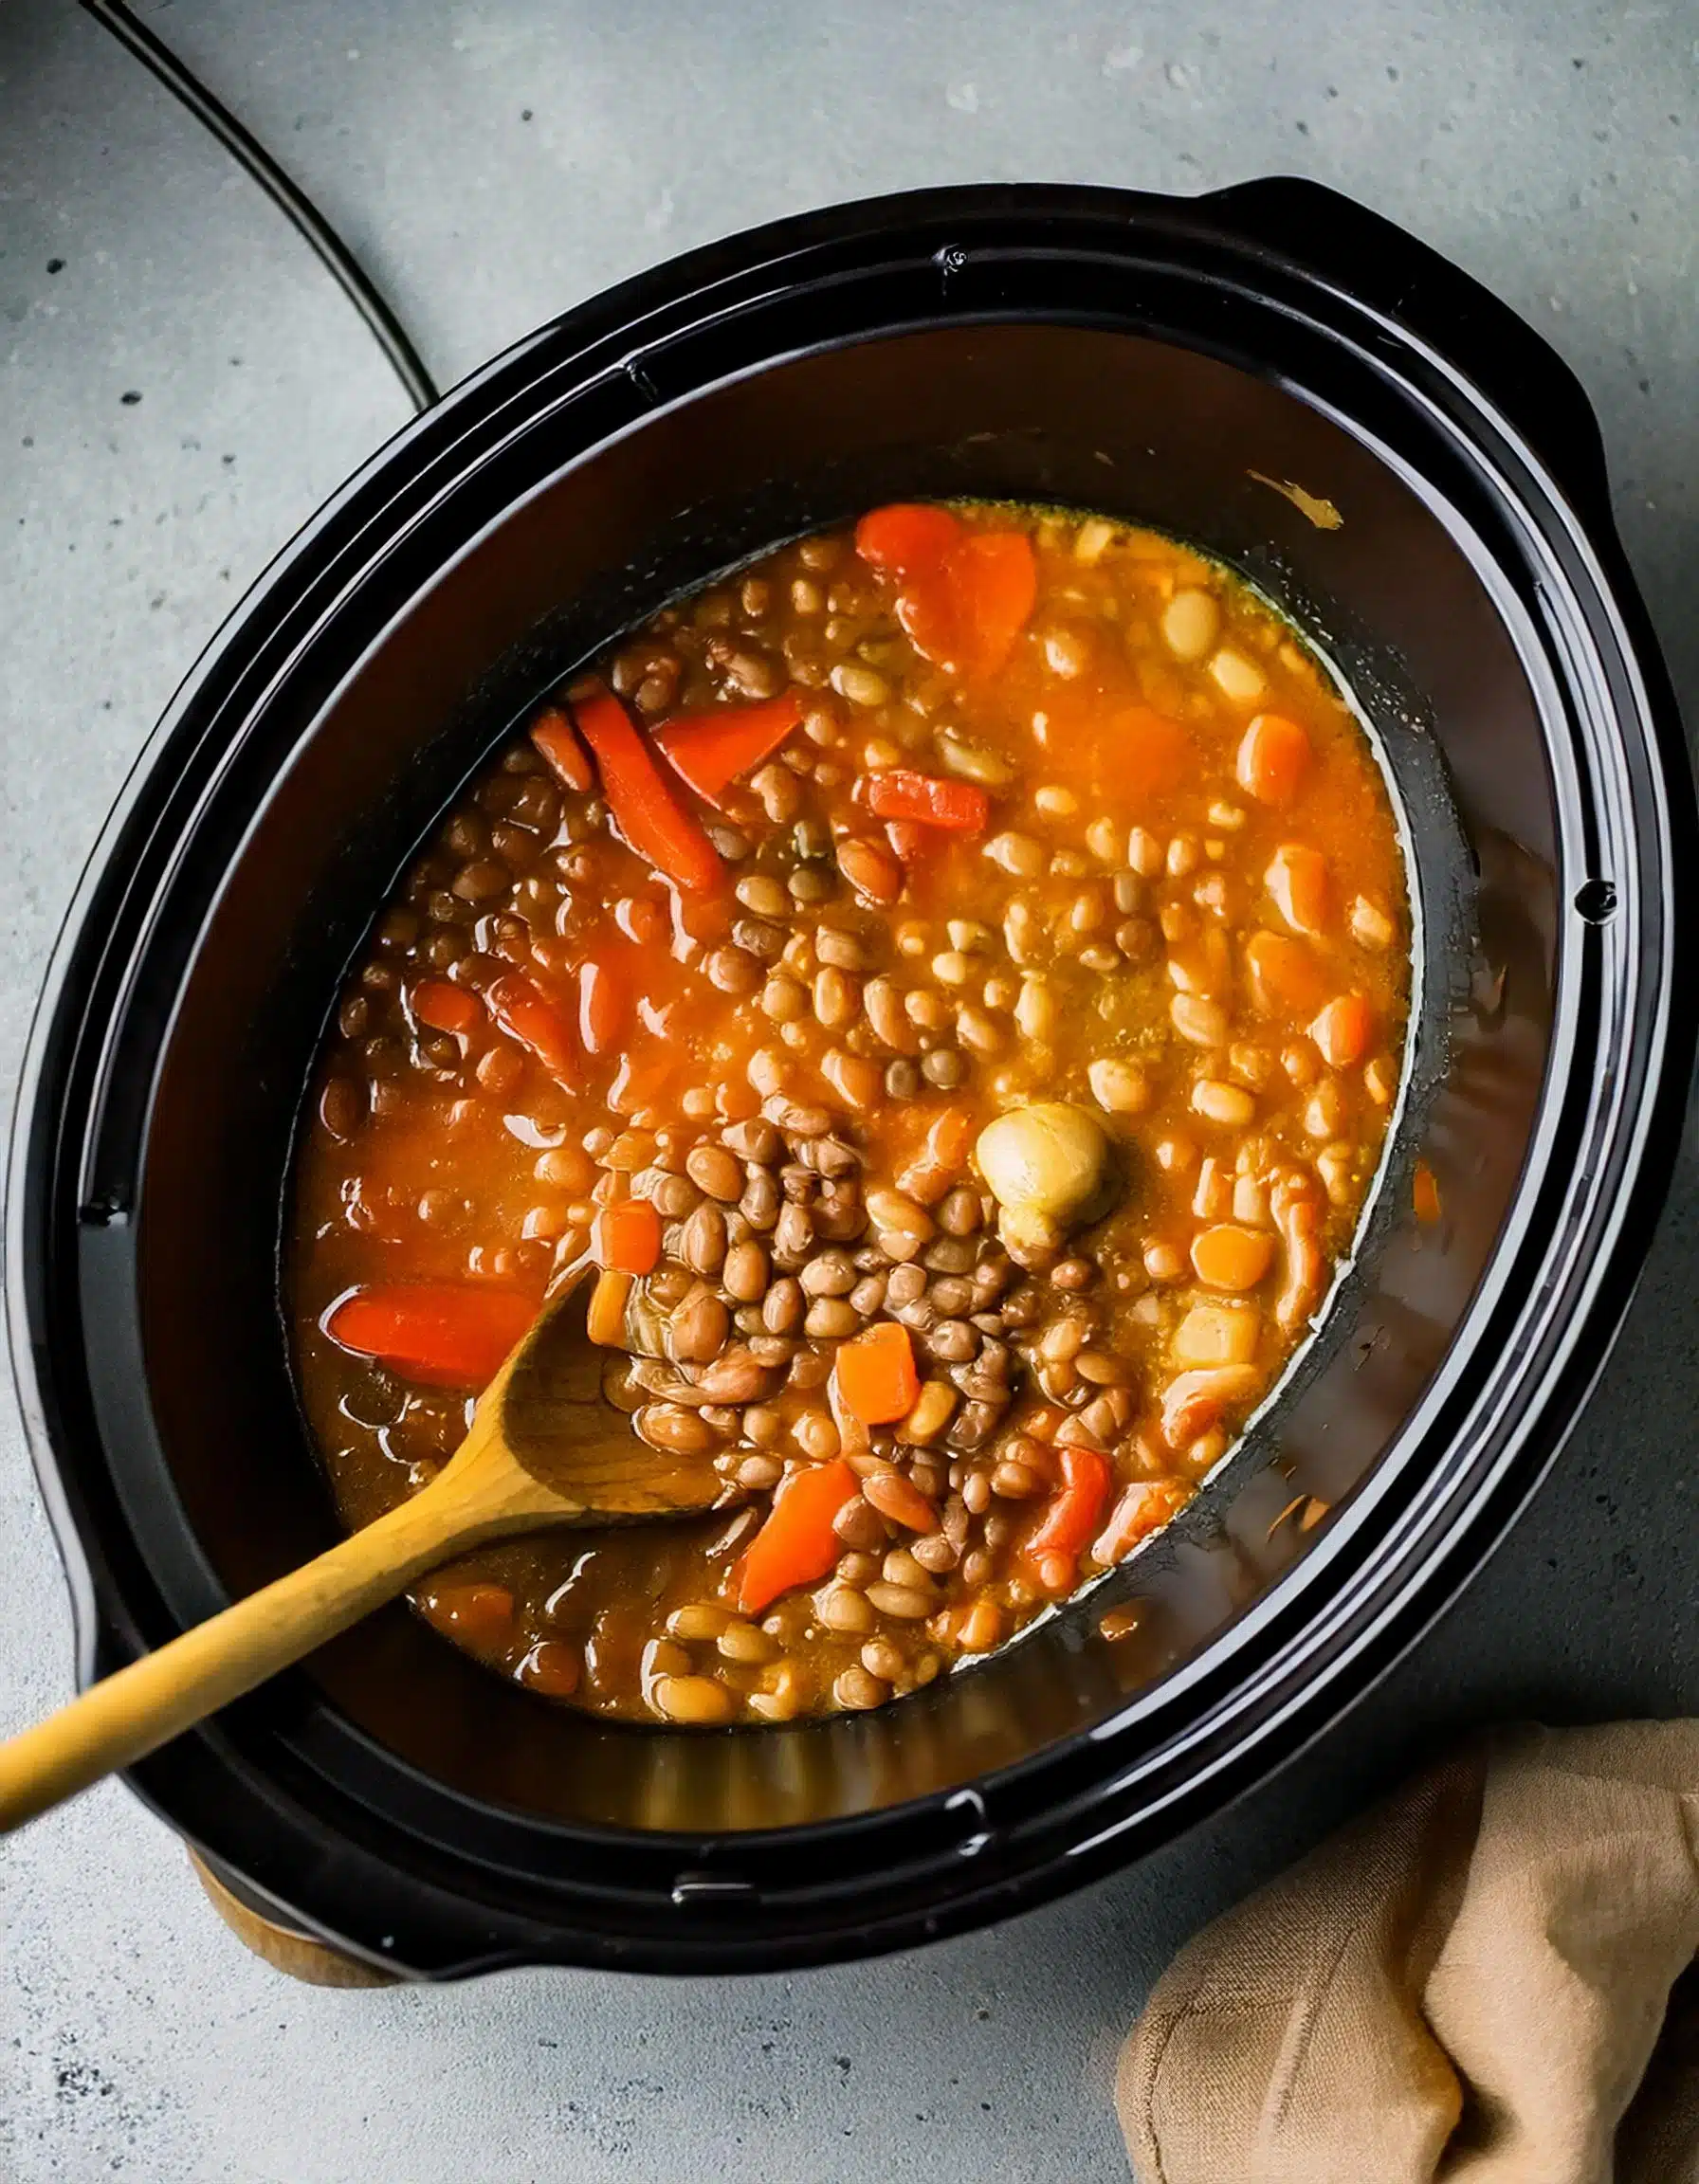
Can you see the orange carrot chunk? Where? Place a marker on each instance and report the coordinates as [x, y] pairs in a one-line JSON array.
[[1424, 1194], [965, 614], [443, 1334], [906, 538], [445, 1007], [711, 750], [924, 800], [626, 1238], [556, 742], [1341, 1030], [994, 582], [1273, 759], [1229, 1257], [796, 1545], [875, 1378], [1074, 1511], [644, 805], [527, 1014], [1286, 976]]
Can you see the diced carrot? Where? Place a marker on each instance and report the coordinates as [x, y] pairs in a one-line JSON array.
[[924, 800], [796, 1545], [1273, 759], [527, 1014], [1074, 1511], [1227, 1257], [875, 1377], [643, 803], [1297, 879], [445, 1007], [1343, 1030], [1424, 1191], [604, 1005], [477, 1614], [1144, 1507], [627, 1237], [1286, 977], [710, 750], [906, 538], [965, 613], [556, 742], [994, 583], [1150, 755], [441, 1334]]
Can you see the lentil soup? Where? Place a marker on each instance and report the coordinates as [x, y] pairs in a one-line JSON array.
[[950, 977]]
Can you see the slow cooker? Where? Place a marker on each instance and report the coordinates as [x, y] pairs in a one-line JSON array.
[[1270, 371]]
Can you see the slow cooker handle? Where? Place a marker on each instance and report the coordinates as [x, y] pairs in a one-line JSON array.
[[1372, 261]]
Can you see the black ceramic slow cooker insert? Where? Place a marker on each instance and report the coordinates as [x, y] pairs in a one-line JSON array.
[[1241, 370]]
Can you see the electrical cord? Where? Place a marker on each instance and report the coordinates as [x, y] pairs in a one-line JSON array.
[[301, 214]]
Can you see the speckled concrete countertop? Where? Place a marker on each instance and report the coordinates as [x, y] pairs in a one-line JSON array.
[[182, 386]]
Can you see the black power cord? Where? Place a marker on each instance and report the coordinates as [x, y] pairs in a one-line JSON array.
[[302, 215]]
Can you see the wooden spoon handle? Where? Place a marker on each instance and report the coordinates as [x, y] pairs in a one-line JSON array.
[[127, 1715]]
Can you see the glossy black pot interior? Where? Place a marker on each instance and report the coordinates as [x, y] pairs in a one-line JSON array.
[[1175, 363]]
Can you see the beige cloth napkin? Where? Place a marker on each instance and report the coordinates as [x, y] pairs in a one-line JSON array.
[[1471, 1985]]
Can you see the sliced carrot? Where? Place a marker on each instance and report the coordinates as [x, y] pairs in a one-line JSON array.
[[875, 1377], [907, 537], [710, 750], [924, 800], [1144, 1507], [994, 583], [445, 1007], [1227, 1257], [1297, 879], [644, 805], [1274, 758], [1074, 1511], [1286, 977], [1343, 1030], [479, 1615], [965, 613], [556, 742], [796, 1545], [443, 1334], [527, 1014], [626, 1238], [1424, 1193], [604, 1005]]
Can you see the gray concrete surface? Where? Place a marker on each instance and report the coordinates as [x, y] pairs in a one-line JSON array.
[[493, 163]]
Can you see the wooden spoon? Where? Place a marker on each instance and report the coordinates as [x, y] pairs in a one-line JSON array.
[[543, 1448]]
